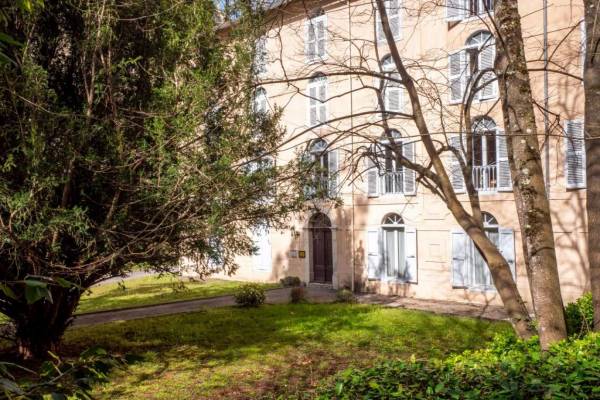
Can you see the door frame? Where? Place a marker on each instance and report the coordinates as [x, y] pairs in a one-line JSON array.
[[308, 245]]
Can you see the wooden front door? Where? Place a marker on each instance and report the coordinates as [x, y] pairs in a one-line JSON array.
[[322, 258]]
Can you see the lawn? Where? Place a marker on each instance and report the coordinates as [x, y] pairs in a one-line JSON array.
[[276, 350], [149, 290]]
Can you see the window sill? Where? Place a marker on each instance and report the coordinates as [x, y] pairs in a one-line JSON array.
[[475, 101]]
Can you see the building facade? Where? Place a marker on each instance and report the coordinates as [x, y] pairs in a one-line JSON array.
[[387, 232]]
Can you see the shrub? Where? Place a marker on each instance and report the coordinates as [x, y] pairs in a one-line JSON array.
[[290, 281], [508, 369], [57, 378], [250, 295], [297, 295], [345, 296], [580, 316]]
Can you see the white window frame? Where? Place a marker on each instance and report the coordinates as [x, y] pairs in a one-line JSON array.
[[261, 57], [317, 82], [466, 75], [313, 22], [261, 101], [380, 37], [463, 11]]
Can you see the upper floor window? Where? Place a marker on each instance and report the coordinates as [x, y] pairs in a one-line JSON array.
[[469, 269], [392, 8], [316, 36], [261, 105], [457, 10], [386, 174], [260, 56], [317, 97], [491, 170], [575, 162], [324, 170], [392, 91], [471, 69]]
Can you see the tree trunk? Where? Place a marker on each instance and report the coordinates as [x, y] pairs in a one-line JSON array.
[[39, 327], [533, 207], [500, 270], [592, 134]]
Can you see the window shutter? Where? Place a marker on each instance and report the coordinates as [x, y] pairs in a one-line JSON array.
[[504, 176], [374, 265], [459, 259], [311, 40], [455, 10], [392, 97], [488, 84], [456, 174], [372, 179], [457, 75], [312, 104], [322, 101], [410, 250], [262, 259], [393, 12], [333, 169], [408, 175], [583, 46], [506, 245], [575, 155], [321, 36]]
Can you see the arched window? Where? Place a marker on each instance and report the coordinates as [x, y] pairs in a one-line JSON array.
[[317, 97], [316, 36], [261, 104], [491, 171], [394, 246], [472, 69], [323, 164], [391, 89], [481, 54]]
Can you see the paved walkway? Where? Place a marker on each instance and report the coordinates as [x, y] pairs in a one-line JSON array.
[[314, 294], [274, 296], [437, 306]]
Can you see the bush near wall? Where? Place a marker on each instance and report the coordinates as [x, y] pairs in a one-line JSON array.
[[508, 369], [580, 316]]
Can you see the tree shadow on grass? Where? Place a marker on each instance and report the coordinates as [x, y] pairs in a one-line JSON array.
[[240, 353]]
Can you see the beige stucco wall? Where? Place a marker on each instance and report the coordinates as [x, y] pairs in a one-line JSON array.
[[427, 38]]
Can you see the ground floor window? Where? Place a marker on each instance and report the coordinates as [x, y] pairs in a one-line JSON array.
[[392, 251], [469, 269]]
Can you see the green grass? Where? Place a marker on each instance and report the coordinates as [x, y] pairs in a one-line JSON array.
[[150, 290], [278, 350]]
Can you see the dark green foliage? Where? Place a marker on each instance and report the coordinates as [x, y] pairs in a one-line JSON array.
[[290, 281], [345, 296], [250, 295], [127, 137], [508, 369], [580, 316], [58, 379], [298, 295]]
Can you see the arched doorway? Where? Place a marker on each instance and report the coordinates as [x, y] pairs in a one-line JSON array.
[[321, 246]]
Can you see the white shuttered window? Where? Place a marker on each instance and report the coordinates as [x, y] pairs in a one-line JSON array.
[[317, 97], [316, 38], [575, 155]]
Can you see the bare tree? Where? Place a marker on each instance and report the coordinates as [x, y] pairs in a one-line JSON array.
[[445, 131]]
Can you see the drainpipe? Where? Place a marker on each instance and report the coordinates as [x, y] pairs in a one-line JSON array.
[[546, 102], [352, 232]]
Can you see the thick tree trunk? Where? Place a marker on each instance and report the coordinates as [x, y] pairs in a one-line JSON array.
[[39, 327], [592, 133], [500, 270], [533, 207]]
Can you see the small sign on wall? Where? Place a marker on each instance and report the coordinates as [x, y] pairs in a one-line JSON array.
[[293, 254], [302, 254]]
